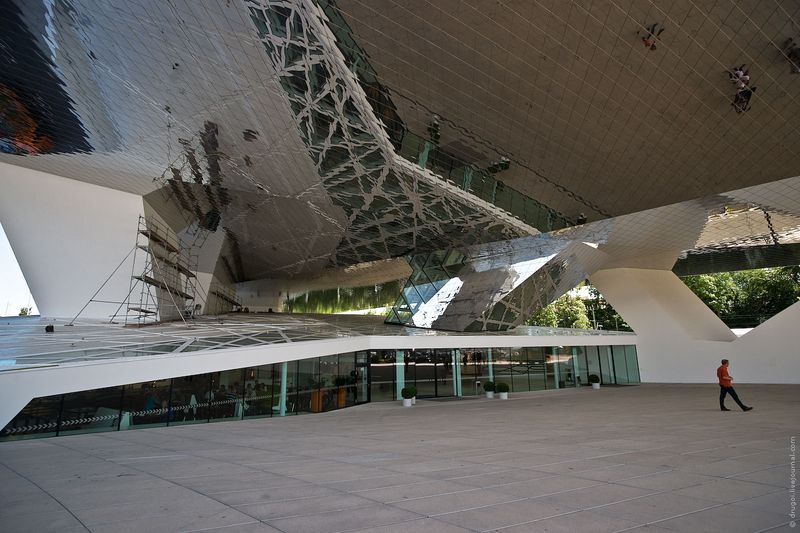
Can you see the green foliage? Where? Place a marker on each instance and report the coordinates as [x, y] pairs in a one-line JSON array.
[[546, 317], [566, 312], [601, 313], [488, 386], [718, 291], [747, 297], [408, 392], [502, 387], [341, 299], [24, 311]]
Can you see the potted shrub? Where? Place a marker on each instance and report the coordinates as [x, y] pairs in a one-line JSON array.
[[502, 390], [341, 391], [489, 388], [407, 393], [594, 379]]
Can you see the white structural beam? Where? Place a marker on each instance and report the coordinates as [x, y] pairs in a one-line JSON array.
[[68, 237], [680, 340]]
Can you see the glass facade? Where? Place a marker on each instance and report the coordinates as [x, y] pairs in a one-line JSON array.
[[320, 384]]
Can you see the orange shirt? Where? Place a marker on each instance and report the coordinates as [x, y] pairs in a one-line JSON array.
[[722, 374]]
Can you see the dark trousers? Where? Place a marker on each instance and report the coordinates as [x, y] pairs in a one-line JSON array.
[[728, 390]]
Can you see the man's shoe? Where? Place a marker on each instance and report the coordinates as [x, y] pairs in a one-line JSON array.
[[724, 409], [747, 408]]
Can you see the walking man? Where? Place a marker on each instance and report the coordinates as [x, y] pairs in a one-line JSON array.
[[726, 387]]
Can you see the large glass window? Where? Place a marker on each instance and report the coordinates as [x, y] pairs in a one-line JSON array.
[[564, 368], [228, 392], [593, 365], [91, 411], [309, 396], [443, 360], [346, 381], [190, 400], [382, 374], [606, 365], [421, 366], [520, 375], [261, 390], [620, 365], [474, 369], [145, 404], [632, 363], [581, 366], [37, 419], [501, 365], [328, 382], [536, 366], [319, 384]]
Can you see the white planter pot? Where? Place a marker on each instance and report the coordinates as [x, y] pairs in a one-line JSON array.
[[406, 402], [490, 394], [596, 386], [414, 400], [503, 395]]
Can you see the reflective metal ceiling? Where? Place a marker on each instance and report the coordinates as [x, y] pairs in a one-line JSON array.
[[298, 129]]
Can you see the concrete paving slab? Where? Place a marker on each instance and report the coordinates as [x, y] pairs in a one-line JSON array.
[[584, 521], [421, 525], [379, 467], [501, 515], [776, 476], [305, 506], [728, 490], [344, 520], [415, 490], [777, 502], [453, 502], [725, 518], [655, 507]]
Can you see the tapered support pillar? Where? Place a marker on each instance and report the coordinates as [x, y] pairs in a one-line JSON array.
[[680, 340]]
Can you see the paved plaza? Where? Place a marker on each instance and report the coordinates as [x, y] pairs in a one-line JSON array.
[[654, 458]]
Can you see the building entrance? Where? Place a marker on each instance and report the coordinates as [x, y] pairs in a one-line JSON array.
[[431, 372]]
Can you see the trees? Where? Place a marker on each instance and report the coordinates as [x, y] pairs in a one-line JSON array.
[[741, 299], [566, 312], [748, 297], [718, 291], [602, 315], [24, 311]]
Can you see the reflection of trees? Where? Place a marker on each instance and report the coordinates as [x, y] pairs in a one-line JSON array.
[[346, 298]]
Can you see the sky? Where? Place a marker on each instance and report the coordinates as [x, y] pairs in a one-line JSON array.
[[14, 292]]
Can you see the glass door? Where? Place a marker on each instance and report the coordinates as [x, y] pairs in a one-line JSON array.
[[359, 380], [443, 367], [421, 372]]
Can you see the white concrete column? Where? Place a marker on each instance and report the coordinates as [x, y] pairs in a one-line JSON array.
[[68, 237]]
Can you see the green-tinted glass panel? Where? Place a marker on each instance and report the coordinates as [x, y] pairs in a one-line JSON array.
[[632, 363], [37, 419], [91, 411]]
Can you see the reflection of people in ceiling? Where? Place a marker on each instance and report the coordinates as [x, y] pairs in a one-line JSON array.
[[18, 128]]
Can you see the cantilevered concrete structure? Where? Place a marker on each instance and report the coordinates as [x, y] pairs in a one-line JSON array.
[[167, 161]]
